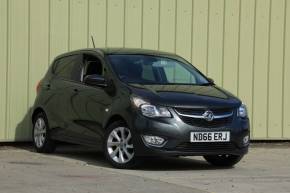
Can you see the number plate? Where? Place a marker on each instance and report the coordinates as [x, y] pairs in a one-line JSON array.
[[222, 136]]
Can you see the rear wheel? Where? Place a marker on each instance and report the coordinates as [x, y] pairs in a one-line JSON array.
[[118, 146], [223, 160], [41, 136]]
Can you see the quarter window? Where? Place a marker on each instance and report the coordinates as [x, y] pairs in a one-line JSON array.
[[69, 68]]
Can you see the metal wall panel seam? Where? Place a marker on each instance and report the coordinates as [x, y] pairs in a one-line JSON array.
[[191, 27], [268, 66], [106, 42], [159, 8], [239, 48], [175, 32], [223, 42], [88, 24], [142, 19], [124, 24], [68, 31], [207, 39], [253, 68], [283, 67], [7, 63], [29, 52], [49, 24]]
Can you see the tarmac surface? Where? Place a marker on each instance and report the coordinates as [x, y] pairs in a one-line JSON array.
[[77, 169]]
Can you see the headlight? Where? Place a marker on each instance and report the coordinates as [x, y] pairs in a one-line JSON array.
[[137, 102], [153, 111], [149, 110], [242, 111]]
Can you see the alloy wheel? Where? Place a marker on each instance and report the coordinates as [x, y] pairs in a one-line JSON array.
[[39, 132], [119, 145]]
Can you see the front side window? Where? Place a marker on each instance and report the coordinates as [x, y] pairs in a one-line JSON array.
[[69, 67], [93, 65], [147, 69]]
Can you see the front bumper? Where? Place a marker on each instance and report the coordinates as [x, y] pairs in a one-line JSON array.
[[177, 136]]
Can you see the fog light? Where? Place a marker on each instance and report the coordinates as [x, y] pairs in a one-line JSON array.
[[246, 140], [153, 140]]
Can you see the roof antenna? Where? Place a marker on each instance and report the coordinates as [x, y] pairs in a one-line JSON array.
[[93, 41]]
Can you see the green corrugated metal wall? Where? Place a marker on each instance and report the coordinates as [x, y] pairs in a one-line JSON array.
[[243, 44]]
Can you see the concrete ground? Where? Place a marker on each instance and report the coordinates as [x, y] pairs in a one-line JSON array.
[[73, 169]]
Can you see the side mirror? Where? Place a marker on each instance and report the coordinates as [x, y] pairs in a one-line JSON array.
[[95, 80], [210, 80]]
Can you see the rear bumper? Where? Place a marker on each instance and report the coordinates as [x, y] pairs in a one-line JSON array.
[[177, 136]]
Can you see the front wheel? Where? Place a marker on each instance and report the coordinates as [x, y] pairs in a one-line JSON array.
[[223, 160], [118, 146]]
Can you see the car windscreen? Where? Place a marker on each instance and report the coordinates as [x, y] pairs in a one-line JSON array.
[[148, 69]]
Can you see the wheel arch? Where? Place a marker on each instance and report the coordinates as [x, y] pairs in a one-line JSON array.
[[114, 118], [36, 111]]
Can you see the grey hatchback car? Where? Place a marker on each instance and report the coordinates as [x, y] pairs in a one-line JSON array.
[[131, 103]]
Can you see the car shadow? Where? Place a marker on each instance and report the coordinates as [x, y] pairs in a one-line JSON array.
[[23, 129], [91, 157]]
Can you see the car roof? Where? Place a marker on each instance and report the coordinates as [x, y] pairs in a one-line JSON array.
[[108, 51]]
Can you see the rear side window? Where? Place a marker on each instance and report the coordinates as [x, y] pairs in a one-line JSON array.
[[69, 67]]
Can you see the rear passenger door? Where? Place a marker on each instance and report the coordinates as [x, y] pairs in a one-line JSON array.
[[67, 73]]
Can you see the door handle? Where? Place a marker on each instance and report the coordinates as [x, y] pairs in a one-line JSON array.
[[76, 90]]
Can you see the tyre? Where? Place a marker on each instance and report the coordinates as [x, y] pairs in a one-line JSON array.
[[118, 146], [223, 160], [40, 134]]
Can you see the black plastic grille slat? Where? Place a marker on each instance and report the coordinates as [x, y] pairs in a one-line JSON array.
[[205, 147], [200, 122], [199, 111], [207, 124]]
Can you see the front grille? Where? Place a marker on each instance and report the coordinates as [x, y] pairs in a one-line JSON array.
[[200, 122], [205, 147], [200, 111], [207, 124]]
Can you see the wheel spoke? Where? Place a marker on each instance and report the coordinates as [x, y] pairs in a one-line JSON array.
[[128, 137], [40, 131], [42, 139], [122, 133], [36, 133], [113, 144], [35, 140], [129, 156], [37, 125], [121, 156], [115, 134], [38, 141], [40, 124], [114, 153]]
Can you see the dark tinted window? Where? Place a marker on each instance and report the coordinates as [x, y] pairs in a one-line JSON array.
[[69, 67], [93, 65]]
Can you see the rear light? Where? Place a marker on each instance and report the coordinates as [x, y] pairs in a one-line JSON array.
[[38, 86]]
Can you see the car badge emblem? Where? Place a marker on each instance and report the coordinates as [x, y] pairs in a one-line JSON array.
[[208, 115]]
